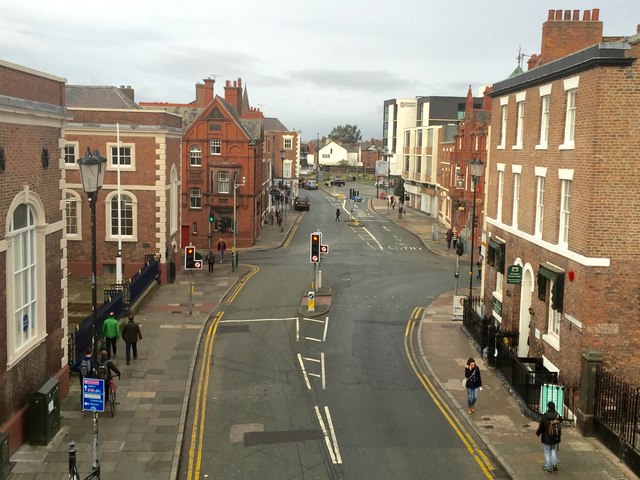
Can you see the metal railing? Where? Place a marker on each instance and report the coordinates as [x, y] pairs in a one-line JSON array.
[[477, 326]]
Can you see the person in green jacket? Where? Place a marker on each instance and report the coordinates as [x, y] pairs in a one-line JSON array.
[[110, 332]]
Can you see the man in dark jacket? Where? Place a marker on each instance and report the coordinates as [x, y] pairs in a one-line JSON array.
[[550, 444], [131, 334], [104, 371]]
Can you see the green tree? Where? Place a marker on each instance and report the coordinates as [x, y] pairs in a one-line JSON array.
[[346, 134]]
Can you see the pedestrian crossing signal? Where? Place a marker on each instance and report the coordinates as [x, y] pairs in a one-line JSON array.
[[315, 241], [190, 262]]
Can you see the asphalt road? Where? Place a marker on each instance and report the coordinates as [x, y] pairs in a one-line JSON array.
[[284, 397]]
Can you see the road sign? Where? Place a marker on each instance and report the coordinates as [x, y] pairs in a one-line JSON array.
[[324, 248], [197, 264], [311, 304], [93, 394]]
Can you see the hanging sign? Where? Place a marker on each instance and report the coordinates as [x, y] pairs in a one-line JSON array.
[[514, 274]]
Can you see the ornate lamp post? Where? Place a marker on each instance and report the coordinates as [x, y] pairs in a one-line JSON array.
[[92, 175], [475, 169]]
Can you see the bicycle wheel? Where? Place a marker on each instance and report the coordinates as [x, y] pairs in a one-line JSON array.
[[112, 399]]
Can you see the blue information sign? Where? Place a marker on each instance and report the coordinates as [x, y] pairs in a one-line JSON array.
[[93, 394]]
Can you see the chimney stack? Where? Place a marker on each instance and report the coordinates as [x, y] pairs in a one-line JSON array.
[[233, 93], [564, 33]]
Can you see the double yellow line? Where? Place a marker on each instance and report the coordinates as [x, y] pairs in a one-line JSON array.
[[199, 415], [443, 406], [292, 232]]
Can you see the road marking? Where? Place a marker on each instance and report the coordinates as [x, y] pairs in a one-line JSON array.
[[334, 454], [455, 423], [242, 283], [324, 381], [333, 435], [326, 327], [304, 372], [258, 320], [297, 329], [373, 238]]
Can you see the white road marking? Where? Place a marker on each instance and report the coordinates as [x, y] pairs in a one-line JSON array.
[[304, 372], [324, 381], [297, 330], [255, 320], [326, 327], [313, 339], [312, 320], [373, 238]]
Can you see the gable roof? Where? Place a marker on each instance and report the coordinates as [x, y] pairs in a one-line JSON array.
[[274, 124], [252, 128], [90, 96]]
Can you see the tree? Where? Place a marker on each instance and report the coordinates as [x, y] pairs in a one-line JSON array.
[[346, 134]]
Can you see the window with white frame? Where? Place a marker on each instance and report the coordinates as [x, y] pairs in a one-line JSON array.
[[545, 102], [288, 143], [72, 210], [550, 285], [520, 97], [407, 161], [516, 199], [419, 139], [539, 205], [288, 167], [123, 156], [571, 89], [429, 164], [215, 146], [195, 198], [418, 164], [554, 321], [23, 272], [500, 194], [407, 138], [223, 182], [429, 138], [503, 126], [195, 156], [126, 219], [565, 211], [71, 154]]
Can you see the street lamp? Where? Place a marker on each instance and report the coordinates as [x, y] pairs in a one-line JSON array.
[[475, 169], [234, 255], [284, 186], [92, 175]]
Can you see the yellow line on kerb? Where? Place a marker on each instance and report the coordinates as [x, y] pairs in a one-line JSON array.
[[197, 431], [292, 232], [466, 438]]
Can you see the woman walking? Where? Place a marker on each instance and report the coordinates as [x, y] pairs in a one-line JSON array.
[[473, 384]]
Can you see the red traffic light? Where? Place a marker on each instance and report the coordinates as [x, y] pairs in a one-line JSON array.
[[314, 251]]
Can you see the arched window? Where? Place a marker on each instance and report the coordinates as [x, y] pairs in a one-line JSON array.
[[23, 271], [195, 156], [128, 216]]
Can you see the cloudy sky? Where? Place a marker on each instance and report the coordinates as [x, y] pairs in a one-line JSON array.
[[314, 65]]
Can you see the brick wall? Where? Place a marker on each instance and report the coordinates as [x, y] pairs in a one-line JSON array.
[[20, 82]]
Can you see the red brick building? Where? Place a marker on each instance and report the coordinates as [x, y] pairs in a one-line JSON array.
[[562, 201], [33, 253], [150, 180], [281, 173]]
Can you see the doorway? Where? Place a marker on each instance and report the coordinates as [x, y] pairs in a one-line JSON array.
[[526, 292]]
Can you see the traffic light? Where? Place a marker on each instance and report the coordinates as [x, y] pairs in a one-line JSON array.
[[460, 248], [211, 215], [190, 262], [315, 241]]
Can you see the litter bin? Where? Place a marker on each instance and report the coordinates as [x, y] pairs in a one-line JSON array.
[[44, 413], [4, 456]]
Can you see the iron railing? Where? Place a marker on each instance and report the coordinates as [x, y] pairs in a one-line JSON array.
[[477, 326]]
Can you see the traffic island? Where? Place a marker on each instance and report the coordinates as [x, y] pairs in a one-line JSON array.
[[354, 222], [321, 303]]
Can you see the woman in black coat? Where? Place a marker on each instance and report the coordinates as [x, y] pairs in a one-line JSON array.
[[473, 384]]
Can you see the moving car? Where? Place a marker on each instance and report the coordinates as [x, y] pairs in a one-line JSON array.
[[301, 203], [336, 182], [311, 185]]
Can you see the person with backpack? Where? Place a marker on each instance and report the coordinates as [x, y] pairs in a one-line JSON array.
[[222, 246], [211, 260], [84, 367], [549, 431], [473, 384], [110, 332], [105, 367]]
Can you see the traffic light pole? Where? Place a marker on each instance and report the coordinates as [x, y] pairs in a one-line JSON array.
[[190, 292]]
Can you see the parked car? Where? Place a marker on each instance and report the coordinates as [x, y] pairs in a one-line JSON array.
[[336, 182], [301, 203], [311, 185]]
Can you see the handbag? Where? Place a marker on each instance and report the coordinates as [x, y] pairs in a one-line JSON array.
[[464, 383]]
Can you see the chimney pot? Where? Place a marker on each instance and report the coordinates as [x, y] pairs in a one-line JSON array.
[[595, 14], [576, 15], [586, 16], [551, 14], [558, 14], [567, 14]]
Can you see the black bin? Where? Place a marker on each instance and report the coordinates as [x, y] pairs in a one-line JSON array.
[[44, 413], [4, 456]]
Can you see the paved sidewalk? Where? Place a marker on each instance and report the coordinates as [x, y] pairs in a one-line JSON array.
[[509, 434], [144, 438]]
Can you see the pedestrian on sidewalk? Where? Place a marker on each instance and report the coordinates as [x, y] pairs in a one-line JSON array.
[[131, 334], [338, 212], [549, 433], [449, 236], [211, 260], [85, 368], [473, 384], [222, 246], [110, 332]]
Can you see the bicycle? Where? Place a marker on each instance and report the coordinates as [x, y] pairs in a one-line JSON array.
[[112, 395]]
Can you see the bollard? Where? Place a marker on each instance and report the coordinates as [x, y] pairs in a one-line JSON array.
[[73, 470]]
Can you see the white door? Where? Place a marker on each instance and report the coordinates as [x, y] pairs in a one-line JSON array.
[[525, 317]]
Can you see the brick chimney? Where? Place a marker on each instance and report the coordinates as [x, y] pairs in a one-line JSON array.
[[233, 93], [204, 92], [128, 92], [564, 33]]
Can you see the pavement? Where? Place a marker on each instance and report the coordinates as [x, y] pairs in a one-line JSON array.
[[143, 440]]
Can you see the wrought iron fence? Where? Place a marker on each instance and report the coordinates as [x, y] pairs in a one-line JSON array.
[[616, 412], [477, 326], [149, 273]]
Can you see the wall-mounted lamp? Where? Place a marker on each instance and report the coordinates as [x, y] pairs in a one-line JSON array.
[[532, 311], [2, 160], [44, 156]]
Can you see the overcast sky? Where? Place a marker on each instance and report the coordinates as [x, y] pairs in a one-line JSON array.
[[314, 65]]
